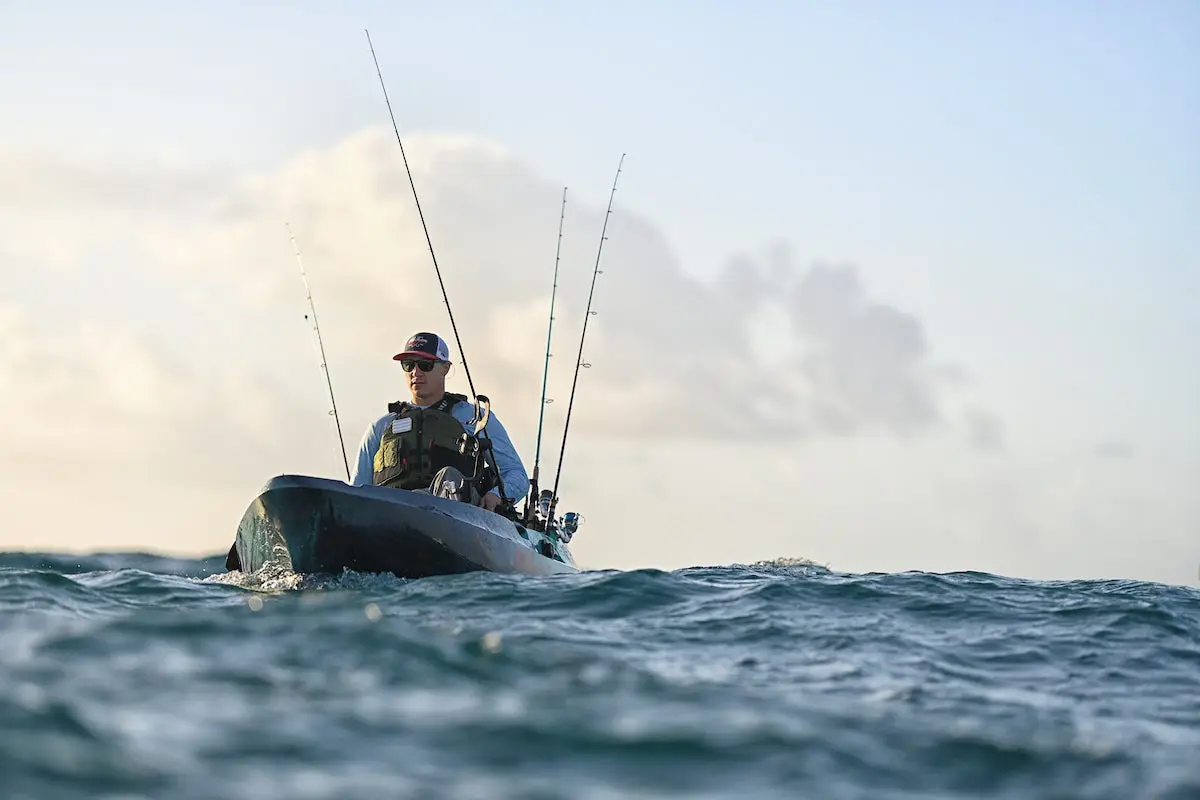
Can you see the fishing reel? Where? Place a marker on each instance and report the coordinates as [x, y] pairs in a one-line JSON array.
[[471, 447], [478, 447], [563, 527], [569, 523], [485, 474], [545, 503], [539, 515]]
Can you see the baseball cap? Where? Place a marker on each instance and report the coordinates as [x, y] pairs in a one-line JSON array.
[[424, 345]]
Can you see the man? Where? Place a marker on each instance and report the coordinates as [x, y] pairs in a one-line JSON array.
[[417, 441]]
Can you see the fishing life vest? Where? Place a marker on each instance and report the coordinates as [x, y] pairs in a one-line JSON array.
[[420, 441]]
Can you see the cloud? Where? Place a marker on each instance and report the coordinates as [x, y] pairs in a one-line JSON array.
[[985, 430], [1115, 449], [114, 440], [92, 399], [675, 354], [856, 364], [63, 211], [782, 401], [37, 180]]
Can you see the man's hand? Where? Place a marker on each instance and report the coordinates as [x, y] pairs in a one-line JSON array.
[[490, 501]]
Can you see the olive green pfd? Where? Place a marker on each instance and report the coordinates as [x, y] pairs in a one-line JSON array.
[[418, 442]]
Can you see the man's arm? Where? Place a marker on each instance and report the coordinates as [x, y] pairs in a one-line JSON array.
[[512, 471], [364, 466]]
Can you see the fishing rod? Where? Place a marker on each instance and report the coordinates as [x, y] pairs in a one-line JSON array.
[[461, 353], [588, 313], [533, 483], [321, 345]]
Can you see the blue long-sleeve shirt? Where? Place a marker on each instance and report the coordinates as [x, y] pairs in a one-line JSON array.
[[512, 471]]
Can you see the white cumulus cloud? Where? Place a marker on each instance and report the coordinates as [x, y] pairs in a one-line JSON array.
[[782, 409]]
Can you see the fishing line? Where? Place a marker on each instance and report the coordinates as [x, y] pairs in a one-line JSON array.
[[321, 346], [587, 314], [461, 353], [533, 489]]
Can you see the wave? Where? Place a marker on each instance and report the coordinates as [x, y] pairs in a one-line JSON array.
[[142, 675]]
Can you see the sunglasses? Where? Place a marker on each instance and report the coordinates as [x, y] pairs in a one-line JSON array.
[[426, 364]]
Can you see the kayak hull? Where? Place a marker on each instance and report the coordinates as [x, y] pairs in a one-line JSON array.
[[321, 526]]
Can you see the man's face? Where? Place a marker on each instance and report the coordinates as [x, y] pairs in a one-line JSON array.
[[426, 376]]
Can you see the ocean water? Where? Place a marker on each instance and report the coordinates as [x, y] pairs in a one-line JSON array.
[[131, 676]]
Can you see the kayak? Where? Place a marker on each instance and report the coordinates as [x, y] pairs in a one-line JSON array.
[[313, 525]]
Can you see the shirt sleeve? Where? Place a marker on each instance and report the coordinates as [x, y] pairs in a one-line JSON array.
[[364, 466]]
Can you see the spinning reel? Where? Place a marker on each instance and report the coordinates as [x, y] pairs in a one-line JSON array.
[[563, 527]]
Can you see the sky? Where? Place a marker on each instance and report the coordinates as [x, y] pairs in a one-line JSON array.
[[885, 287]]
